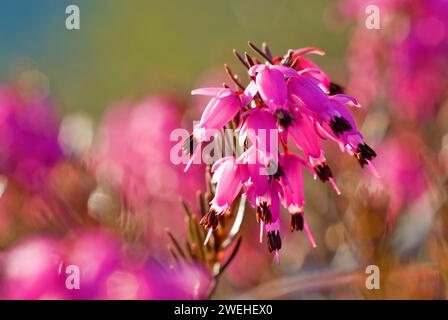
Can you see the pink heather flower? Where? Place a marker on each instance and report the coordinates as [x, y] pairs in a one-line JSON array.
[[304, 133], [304, 64], [292, 183], [306, 93], [227, 174], [252, 164], [345, 132], [222, 108], [271, 85], [290, 97], [260, 128], [402, 169], [293, 199]]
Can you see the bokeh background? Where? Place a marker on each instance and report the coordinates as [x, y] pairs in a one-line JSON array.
[[102, 101], [125, 50]]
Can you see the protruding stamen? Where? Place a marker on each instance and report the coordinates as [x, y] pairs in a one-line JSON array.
[[207, 238], [277, 256], [323, 171], [308, 233], [274, 241], [210, 220], [296, 222], [264, 213], [295, 63], [189, 145], [278, 174], [284, 118], [193, 157], [336, 89], [261, 231], [372, 169], [366, 151], [335, 186], [339, 125], [364, 154]]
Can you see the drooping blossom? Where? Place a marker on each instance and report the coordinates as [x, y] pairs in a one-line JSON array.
[[288, 98], [227, 176], [222, 108]]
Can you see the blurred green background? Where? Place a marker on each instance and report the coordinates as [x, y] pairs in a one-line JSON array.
[[132, 48]]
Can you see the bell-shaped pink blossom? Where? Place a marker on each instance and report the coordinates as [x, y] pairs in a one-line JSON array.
[[303, 132], [254, 171], [271, 85], [305, 92], [261, 129], [342, 128], [228, 178], [221, 109], [292, 181], [274, 240]]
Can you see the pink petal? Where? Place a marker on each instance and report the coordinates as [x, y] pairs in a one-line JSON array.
[[287, 71], [307, 91], [346, 100], [209, 91], [303, 51], [272, 87], [256, 68], [249, 93]]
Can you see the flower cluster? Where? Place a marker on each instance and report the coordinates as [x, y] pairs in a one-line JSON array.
[[287, 98]]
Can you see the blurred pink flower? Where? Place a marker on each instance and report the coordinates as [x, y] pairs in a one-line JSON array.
[[30, 270], [37, 269], [411, 56], [96, 254], [133, 153], [402, 170], [29, 139]]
